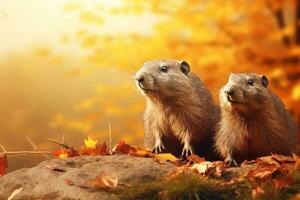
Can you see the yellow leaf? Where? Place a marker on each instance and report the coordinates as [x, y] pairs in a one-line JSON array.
[[165, 157], [90, 143]]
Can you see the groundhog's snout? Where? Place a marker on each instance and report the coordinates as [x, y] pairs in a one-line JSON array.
[[230, 93], [140, 79], [144, 81]]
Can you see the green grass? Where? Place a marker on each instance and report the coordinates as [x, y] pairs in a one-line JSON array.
[[191, 186]]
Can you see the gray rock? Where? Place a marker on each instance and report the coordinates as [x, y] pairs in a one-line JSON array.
[[40, 182]]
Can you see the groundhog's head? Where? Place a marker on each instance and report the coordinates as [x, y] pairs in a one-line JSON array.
[[245, 92], [163, 77]]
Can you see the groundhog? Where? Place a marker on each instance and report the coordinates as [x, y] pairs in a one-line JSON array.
[[254, 121], [180, 116]]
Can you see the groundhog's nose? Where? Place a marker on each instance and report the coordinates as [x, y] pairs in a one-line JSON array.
[[140, 79], [229, 92]]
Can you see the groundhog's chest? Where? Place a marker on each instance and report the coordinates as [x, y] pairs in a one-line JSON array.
[[169, 121]]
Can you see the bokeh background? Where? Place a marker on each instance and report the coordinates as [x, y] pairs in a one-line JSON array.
[[67, 66]]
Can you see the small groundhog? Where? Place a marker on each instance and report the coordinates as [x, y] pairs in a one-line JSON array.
[[253, 122], [180, 116]]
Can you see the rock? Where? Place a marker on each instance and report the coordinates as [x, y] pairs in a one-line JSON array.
[[69, 179]]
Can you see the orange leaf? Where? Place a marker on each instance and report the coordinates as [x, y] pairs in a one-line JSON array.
[[65, 153], [282, 158], [164, 157], [98, 150], [122, 147], [267, 159], [262, 173], [141, 153], [195, 158], [281, 182], [3, 164]]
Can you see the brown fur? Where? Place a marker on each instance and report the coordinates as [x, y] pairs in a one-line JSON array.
[[256, 123], [179, 110]]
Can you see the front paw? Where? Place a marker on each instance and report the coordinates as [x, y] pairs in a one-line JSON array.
[[231, 162], [158, 147], [187, 150]]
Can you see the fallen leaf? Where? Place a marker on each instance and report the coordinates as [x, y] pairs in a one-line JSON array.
[[283, 158], [90, 142], [262, 173], [202, 168], [141, 153], [97, 150], [104, 181], [122, 147], [267, 159], [281, 182], [164, 157], [195, 158], [3, 164], [65, 153]]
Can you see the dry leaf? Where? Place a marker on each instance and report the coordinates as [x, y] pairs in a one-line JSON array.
[[202, 168], [283, 158], [97, 150], [195, 158], [141, 153], [104, 181], [262, 173], [267, 159], [164, 157], [122, 147], [65, 153], [281, 182], [3, 164]]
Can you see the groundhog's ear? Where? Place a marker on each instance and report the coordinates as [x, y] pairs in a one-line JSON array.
[[264, 80], [185, 67]]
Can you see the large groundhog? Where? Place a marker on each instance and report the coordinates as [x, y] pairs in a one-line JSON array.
[[180, 115], [253, 121]]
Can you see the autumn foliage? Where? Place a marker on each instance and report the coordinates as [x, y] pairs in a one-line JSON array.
[[215, 37]]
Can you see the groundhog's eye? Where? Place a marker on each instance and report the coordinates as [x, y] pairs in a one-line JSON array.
[[250, 82], [164, 69]]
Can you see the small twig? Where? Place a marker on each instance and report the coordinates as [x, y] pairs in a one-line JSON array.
[[63, 145], [27, 152], [72, 151]]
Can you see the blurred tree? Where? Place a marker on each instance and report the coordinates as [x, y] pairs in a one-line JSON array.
[[215, 36]]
